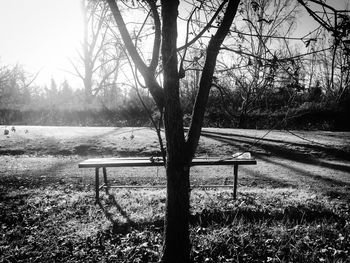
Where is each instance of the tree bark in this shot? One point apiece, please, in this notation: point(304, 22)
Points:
point(176, 247)
point(176, 225)
point(88, 91)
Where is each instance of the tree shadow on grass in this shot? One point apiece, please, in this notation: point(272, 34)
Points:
point(34, 178)
point(269, 145)
point(293, 215)
point(254, 213)
point(299, 158)
point(285, 152)
point(303, 172)
point(13, 199)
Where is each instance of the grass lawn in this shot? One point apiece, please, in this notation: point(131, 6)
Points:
point(287, 210)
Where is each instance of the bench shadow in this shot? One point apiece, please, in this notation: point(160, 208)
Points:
point(125, 227)
point(259, 178)
point(113, 203)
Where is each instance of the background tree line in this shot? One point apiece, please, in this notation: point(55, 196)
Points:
point(61, 104)
point(265, 77)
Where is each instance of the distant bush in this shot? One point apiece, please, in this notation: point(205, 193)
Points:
point(62, 117)
point(308, 116)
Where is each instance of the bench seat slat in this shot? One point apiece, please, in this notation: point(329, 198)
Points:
point(144, 162)
point(164, 186)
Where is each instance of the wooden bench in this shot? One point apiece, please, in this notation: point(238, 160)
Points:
point(105, 163)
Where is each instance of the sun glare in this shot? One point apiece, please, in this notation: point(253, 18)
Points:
point(40, 34)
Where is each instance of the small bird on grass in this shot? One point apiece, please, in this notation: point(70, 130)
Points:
point(13, 129)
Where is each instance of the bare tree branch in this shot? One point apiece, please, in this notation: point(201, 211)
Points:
point(157, 37)
point(206, 79)
point(126, 37)
point(146, 72)
point(205, 28)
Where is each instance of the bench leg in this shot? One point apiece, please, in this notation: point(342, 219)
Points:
point(97, 185)
point(105, 179)
point(235, 174)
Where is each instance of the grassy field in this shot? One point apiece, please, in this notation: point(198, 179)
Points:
point(292, 207)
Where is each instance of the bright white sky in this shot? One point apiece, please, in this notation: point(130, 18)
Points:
point(43, 34)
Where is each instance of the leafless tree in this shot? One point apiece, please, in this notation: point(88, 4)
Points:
point(100, 55)
point(258, 45)
point(328, 68)
point(15, 85)
point(337, 23)
point(179, 149)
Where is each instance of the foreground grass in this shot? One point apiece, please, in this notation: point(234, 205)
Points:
point(62, 224)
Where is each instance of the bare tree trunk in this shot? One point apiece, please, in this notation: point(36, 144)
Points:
point(88, 74)
point(242, 120)
point(88, 86)
point(176, 235)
